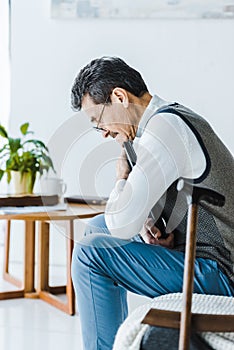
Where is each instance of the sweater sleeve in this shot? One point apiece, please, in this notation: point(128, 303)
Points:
point(166, 151)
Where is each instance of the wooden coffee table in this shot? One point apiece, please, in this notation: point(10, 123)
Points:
point(43, 290)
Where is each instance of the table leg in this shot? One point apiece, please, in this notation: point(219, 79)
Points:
point(70, 290)
point(7, 247)
point(29, 257)
point(27, 290)
point(43, 256)
point(47, 292)
point(6, 274)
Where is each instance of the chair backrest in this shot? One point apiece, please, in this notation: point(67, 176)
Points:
point(194, 195)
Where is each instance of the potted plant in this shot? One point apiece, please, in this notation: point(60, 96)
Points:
point(22, 158)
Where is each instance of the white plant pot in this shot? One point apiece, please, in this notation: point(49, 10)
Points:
point(21, 184)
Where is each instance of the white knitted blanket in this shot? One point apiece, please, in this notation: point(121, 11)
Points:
point(130, 333)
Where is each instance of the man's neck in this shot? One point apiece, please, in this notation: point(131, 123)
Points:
point(142, 101)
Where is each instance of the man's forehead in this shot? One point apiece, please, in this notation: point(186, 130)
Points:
point(91, 109)
point(87, 102)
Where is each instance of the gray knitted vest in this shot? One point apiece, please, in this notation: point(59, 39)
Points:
point(215, 234)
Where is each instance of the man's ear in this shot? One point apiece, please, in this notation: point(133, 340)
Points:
point(120, 95)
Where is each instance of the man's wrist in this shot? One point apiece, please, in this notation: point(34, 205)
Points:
point(121, 178)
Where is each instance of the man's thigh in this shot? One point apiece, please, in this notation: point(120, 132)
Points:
point(146, 269)
point(140, 268)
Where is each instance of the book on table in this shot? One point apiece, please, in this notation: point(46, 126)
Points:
point(27, 200)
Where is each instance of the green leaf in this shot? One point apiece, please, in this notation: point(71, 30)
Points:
point(47, 162)
point(3, 148)
point(1, 174)
point(3, 132)
point(11, 164)
point(33, 178)
point(24, 128)
point(37, 143)
point(4, 152)
point(30, 156)
point(8, 176)
point(14, 144)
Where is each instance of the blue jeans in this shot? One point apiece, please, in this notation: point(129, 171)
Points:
point(105, 267)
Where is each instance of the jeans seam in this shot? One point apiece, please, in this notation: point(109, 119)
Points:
point(95, 314)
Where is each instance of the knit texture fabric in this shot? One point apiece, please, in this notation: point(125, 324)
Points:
point(215, 232)
point(131, 332)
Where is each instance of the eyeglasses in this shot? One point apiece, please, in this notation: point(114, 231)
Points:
point(100, 118)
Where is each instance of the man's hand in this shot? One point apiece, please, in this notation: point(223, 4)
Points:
point(122, 167)
point(151, 235)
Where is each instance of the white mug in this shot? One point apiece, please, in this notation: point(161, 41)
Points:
point(53, 186)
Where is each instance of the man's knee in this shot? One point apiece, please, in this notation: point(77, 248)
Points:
point(80, 258)
point(86, 249)
point(94, 246)
point(89, 251)
point(96, 224)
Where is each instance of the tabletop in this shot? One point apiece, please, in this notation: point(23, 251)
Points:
point(73, 211)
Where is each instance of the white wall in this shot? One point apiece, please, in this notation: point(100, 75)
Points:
point(4, 63)
point(4, 81)
point(189, 61)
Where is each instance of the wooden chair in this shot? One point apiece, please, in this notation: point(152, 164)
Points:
point(185, 320)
